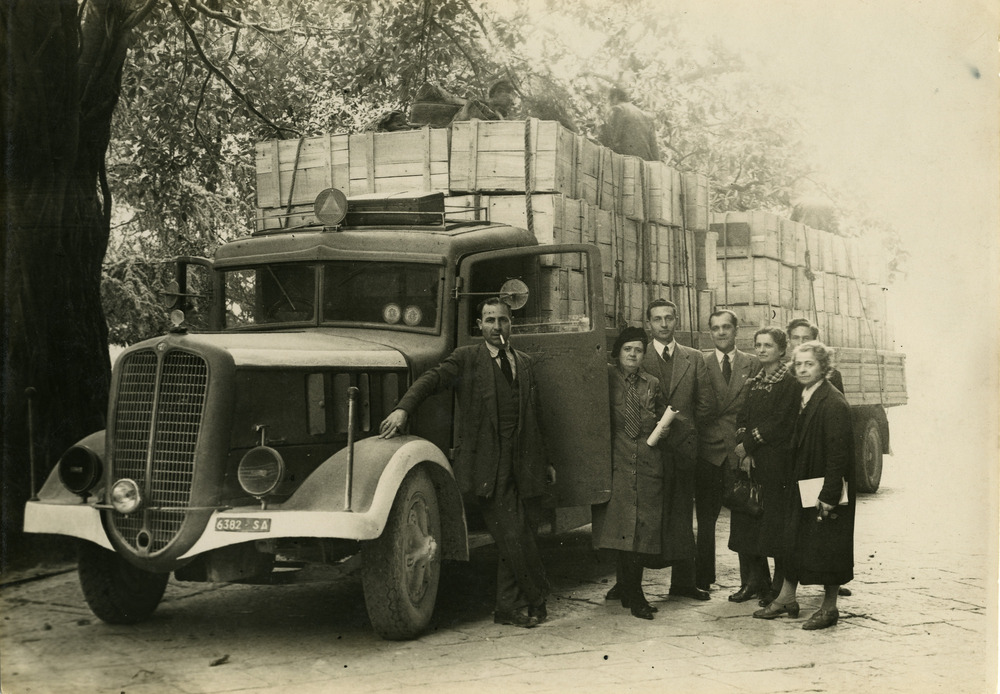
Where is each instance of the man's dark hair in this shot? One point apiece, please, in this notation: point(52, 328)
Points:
point(493, 301)
point(501, 86)
point(803, 323)
point(617, 95)
point(657, 303)
point(724, 312)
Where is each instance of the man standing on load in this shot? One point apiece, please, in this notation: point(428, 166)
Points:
point(629, 130)
point(499, 453)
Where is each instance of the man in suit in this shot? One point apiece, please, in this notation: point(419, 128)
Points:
point(629, 130)
point(684, 379)
point(499, 453)
point(729, 369)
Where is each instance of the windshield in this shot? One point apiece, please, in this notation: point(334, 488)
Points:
point(404, 295)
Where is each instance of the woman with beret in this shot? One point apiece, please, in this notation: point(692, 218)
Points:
point(631, 520)
point(822, 544)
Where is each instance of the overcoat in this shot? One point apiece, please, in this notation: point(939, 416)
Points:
point(687, 392)
point(765, 428)
point(631, 519)
point(469, 371)
point(823, 446)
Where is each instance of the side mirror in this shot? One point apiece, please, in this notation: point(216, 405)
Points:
point(514, 293)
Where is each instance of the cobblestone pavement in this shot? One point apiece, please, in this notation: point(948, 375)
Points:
point(922, 619)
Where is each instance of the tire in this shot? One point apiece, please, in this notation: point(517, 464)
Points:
point(116, 591)
point(401, 569)
point(869, 462)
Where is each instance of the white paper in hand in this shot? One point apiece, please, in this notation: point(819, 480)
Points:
point(661, 426)
point(809, 492)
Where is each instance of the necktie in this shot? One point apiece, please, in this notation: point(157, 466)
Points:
point(727, 368)
point(665, 354)
point(505, 366)
point(632, 409)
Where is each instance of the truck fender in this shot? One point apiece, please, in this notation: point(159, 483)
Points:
point(53, 491)
point(379, 468)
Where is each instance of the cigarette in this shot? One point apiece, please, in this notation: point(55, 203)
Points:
point(503, 341)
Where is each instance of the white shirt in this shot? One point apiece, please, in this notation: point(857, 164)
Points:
point(660, 347)
point(495, 353)
point(719, 355)
point(808, 392)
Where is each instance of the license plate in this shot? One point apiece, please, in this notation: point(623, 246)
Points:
point(243, 525)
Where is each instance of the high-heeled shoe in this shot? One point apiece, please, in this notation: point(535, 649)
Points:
point(767, 596)
point(774, 610)
point(822, 619)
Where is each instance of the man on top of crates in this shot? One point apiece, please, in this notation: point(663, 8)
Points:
point(629, 130)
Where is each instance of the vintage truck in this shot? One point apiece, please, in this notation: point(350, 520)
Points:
point(243, 442)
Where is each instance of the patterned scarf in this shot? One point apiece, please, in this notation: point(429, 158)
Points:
point(764, 382)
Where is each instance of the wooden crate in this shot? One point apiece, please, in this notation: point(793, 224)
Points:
point(674, 255)
point(295, 171)
point(872, 377)
point(854, 301)
point(839, 255)
point(851, 332)
point(843, 300)
point(789, 234)
point(830, 288)
point(491, 156)
point(814, 242)
point(808, 293)
point(705, 264)
point(587, 164)
point(874, 307)
point(758, 316)
point(744, 234)
point(663, 193)
point(835, 333)
point(695, 189)
point(633, 195)
point(754, 281)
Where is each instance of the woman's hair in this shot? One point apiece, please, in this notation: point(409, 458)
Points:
point(823, 354)
point(629, 335)
point(777, 334)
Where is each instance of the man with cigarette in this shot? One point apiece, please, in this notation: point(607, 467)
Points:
point(499, 452)
point(729, 370)
point(684, 379)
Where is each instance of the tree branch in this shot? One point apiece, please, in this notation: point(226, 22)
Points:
point(234, 22)
point(216, 71)
point(138, 16)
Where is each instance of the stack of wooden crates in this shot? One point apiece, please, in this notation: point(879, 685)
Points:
point(770, 270)
point(571, 188)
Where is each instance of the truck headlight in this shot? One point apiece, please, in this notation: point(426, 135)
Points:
point(260, 471)
point(80, 469)
point(125, 496)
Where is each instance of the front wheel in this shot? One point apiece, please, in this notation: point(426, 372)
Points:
point(116, 591)
point(869, 463)
point(401, 569)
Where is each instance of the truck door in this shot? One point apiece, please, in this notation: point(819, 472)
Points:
point(561, 325)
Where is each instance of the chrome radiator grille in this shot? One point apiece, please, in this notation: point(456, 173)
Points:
point(159, 405)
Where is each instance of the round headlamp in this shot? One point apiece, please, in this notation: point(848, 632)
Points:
point(125, 496)
point(80, 469)
point(260, 471)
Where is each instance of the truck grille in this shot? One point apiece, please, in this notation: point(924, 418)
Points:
point(159, 404)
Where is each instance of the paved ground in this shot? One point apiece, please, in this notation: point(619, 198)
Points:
point(922, 619)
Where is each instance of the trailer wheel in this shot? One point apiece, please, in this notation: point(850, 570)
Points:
point(401, 569)
point(869, 463)
point(116, 591)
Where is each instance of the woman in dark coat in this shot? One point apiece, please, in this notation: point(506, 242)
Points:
point(631, 520)
point(764, 431)
point(822, 447)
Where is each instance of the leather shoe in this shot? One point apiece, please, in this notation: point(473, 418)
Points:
point(846, 592)
point(627, 603)
point(614, 594)
point(703, 586)
point(743, 594)
point(822, 619)
point(767, 596)
point(643, 610)
point(518, 618)
point(689, 592)
point(539, 612)
point(774, 610)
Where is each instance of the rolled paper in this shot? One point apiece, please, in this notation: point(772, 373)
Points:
point(661, 426)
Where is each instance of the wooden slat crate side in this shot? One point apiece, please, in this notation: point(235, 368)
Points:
point(854, 289)
point(697, 211)
point(789, 232)
point(587, 154)
point(747, 233)
point(663, 193)
point(608, 283)
point(817, 256)
point(705, 263)
point(839, 254)
point(835, 329)
point(633, 195)
point(490, 156)
point(830, 292)
point(755, 280)
point(851, 332)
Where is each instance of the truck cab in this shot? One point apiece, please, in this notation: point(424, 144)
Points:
point(245, 440)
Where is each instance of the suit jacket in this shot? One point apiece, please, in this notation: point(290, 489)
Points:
point(687, 391)
point(717, 433)
point(469, 371)
point(630, 131)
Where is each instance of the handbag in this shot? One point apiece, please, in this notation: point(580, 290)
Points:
point(742, 494)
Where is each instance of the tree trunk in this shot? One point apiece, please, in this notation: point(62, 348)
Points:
point(63, 72)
